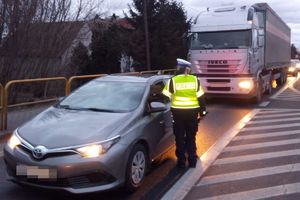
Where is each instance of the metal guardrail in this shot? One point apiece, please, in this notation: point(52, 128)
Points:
point(71, 79)
point(169, 71)
point(150, 72)
point(6, 90)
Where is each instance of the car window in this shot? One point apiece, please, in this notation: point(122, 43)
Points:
point(156, 92)
point(106, 96)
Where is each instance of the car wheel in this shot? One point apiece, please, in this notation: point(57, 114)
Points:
point(137, 166)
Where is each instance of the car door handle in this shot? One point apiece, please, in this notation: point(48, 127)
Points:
point(161, 122)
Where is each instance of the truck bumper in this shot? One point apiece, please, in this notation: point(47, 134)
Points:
point(222, 86)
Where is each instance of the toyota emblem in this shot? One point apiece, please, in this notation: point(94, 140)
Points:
point(39, 152)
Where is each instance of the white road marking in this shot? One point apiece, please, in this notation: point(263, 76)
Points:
point(260, 193)
point(274, 111)
point(182, 187)
point(255, 157)
point(261, 145)
point(265, 135)
point(271, 127)
point(264, 104)
point(277, 115)
point(275, 120)
point(235, 176)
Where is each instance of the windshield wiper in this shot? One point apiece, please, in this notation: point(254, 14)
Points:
point(98, 110)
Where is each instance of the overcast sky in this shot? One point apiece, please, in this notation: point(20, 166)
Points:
point(288, 10)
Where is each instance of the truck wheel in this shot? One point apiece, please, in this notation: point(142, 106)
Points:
point(258, 97)
point(269, 89)
point(137, 167)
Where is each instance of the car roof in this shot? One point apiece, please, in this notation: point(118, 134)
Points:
point(147, 79)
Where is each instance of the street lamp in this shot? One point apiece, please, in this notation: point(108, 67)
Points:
point(147, 36)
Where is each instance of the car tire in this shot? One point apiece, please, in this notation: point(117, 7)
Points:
point(137, 166)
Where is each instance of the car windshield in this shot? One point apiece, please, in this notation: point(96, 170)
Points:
point(221, 40)
point(105, 96)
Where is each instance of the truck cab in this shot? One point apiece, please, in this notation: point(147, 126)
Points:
point(231, 50)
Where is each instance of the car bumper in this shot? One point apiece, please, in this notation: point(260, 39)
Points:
point(72, 172)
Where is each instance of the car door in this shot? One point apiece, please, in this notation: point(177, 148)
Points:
point(164, 137)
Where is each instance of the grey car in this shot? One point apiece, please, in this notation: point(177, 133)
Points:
point(102, 136)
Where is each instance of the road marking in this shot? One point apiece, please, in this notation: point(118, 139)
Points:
point(182, 187)
point(271, 127)
point(291, 83)
point(235, 176)
point(279, 115)
point(260, 193)
point(274, 111)
point(261, 145)
point(264, 104)
point(255, 157)
point(275, 120)
point(265, 135)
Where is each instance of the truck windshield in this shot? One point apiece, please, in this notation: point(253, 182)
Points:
point(240, 39)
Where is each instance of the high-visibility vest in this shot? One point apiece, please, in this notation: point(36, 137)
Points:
point(185, 91)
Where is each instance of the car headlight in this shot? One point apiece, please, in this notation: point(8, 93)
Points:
point(95, 150)
point(13, 141)
point(292, 69)
point(247, 84)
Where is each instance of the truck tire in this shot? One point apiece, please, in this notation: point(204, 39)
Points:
point(258, 96)
point(269, 89)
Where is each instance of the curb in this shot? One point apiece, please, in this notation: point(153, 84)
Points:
point(189, 179)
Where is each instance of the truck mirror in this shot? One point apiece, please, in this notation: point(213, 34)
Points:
point(250, 14)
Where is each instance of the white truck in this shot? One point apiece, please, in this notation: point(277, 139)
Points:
point(238, 51)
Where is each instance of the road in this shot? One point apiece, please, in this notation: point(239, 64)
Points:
point(223, 114)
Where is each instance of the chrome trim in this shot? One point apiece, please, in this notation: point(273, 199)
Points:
point(70, 149)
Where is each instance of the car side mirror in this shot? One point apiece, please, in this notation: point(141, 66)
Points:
point(157, 107)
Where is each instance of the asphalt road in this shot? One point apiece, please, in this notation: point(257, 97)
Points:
point(223, 114)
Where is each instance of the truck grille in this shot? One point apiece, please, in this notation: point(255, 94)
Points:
point(231, 67)
point(218, 88)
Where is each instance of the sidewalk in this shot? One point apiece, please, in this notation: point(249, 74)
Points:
point(261, 162)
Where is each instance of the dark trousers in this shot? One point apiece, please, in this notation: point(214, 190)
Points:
point(185, 129)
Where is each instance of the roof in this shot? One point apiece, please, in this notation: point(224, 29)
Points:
point(44, 39)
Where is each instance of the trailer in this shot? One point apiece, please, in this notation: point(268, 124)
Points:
point(239, 51)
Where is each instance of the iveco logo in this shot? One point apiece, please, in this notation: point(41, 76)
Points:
point(39, 152)
point(217, 62)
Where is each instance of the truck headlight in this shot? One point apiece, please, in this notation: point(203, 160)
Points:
point(292, 69)
point(13, 141)
point(246, 84)
point(95, 150)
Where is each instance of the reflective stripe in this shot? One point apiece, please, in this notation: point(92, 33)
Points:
point(184, 103)
point(185, 98)
point(167, 93)
point(200, 93)
point(189, 107)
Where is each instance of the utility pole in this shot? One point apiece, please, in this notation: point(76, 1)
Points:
point(147, 35)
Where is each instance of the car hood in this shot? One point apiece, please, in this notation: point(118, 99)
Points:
point(56, 128)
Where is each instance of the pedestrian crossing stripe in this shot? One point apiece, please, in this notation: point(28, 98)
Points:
point(288, 92)
point(267, 136)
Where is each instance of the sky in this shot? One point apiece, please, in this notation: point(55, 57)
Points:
point(288, 10)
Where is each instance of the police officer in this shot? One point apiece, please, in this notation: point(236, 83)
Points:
point(187, 92)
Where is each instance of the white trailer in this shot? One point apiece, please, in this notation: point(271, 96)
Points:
point(237, 51)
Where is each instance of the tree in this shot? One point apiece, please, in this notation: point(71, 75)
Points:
point(168, 29)
point(294, 52)
point(80, 61)
point(106, 46)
